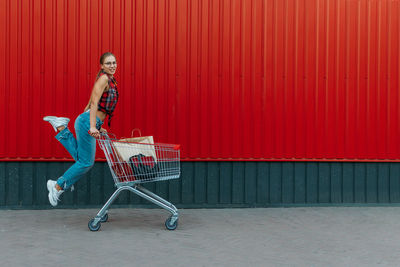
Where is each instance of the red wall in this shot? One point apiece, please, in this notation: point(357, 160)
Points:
point(250, 79)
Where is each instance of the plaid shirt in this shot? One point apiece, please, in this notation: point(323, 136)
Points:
point(109, 99)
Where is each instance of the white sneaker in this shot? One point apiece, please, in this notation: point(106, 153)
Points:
point(54, 194)
point(56, 121)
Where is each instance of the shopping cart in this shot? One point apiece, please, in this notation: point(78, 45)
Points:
point(132, 164)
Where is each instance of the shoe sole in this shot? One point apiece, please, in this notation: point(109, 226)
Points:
point(49, 196)
point(48, 118)
point(49, 185)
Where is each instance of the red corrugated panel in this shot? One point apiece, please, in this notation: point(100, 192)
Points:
point(257, 79)
point(4, 33)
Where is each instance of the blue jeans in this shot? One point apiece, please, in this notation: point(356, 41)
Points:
point(82, 149)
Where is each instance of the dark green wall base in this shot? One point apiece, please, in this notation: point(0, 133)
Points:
point(215, 185)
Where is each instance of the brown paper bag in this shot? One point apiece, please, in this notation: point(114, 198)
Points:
point(133, 146)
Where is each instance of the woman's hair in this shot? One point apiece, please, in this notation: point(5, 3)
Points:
point(102, 58)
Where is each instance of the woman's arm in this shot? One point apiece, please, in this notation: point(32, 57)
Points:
point(98, 89)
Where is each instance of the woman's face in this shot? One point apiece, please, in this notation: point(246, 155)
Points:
point(109, 65)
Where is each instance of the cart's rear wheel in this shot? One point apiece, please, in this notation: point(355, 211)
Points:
point(93, 227)
point(104, 218)
point(170, 226)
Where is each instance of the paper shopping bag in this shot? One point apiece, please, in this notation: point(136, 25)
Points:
point(133, 146)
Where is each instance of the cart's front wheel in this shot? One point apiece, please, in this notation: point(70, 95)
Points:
point(94, 227)
point(169, 225)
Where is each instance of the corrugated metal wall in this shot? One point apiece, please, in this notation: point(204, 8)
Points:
point(215, 184)
point(263, 79)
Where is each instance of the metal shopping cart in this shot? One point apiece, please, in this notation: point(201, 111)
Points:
point(133, 163)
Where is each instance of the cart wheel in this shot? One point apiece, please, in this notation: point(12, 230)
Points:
point(104, 218)
point(92, 227)
point(169, 225)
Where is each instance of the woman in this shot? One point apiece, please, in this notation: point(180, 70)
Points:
point(102, 103)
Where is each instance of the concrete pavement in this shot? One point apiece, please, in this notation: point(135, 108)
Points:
point(312, 236)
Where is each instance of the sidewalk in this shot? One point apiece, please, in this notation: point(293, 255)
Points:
point(339, 236)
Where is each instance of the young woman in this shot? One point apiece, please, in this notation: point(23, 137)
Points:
point(88, 126)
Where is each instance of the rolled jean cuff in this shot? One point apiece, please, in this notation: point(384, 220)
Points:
point(61, 183)
point(63, 134)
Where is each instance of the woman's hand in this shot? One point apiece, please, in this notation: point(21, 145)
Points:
point(102, 130)
point(94, 132)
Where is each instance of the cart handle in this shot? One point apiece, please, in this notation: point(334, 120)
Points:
point(107, 135)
